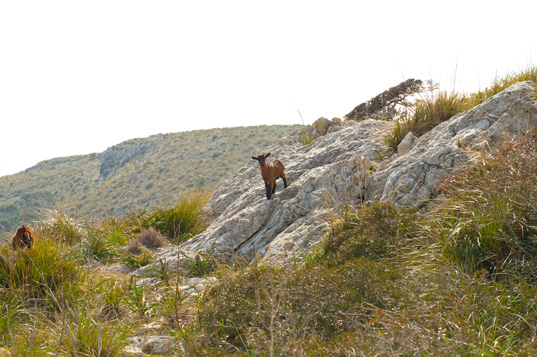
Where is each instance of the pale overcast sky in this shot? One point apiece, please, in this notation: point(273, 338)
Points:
point(79, 76)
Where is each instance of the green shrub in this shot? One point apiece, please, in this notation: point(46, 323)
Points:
point(435, 108)
point(110, 292)
point(374, 231)
point(134, 296)
point(29, 341)
point(137, 261)
point(96, 247)
point(427, 112)
point(400, 129)
point(306, 140)
point(116, 231)
point(179, 222)
point(493, 224)
point(11, 309)
point(500, 84)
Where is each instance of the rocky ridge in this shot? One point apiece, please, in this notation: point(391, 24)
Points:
point(348, 164)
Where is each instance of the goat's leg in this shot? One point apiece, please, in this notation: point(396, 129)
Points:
point(284, 178)
point(267, 191)
point(274, 187)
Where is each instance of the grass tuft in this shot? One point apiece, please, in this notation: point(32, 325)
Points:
point(179, 222)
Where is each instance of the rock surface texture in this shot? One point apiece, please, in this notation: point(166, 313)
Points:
point(349, 165)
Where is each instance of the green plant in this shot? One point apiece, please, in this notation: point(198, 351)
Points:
point(201, 264)
point(81, 333)
point(134, 298)
point(393, 138)
point(179, 222)
point(117, 235)
point(438, 106)
point(28, 341)
point(111, 293)
point(374, 231)
point(11, 309)
point(171, 303)
point(97, 247)
point(137, 261)
point(529, 74)
point(426, 113)
point(266, 307)
point(306, 140)
point(162, 271)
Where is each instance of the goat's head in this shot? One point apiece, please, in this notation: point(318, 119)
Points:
point(261, 158)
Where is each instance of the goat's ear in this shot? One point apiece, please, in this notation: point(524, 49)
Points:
point(267, 155)
point(255, 158)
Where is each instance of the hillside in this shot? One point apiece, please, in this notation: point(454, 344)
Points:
point(138, 174)
point(393, 238)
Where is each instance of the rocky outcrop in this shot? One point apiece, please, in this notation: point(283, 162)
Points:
point(411, 177)
point(349, 166)
point(320, 127)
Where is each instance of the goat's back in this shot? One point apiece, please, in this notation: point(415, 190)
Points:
point(278, 163)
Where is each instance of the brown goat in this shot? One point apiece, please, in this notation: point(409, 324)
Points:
point(23, 238)
point(270, 173)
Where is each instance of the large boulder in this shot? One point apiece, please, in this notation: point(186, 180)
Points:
point(349, 166)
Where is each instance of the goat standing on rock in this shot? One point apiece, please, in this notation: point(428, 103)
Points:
point(270, 173)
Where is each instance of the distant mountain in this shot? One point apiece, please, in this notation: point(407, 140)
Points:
point(138, 174)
